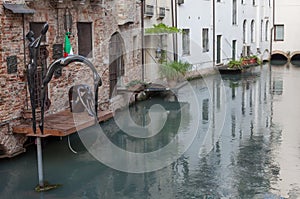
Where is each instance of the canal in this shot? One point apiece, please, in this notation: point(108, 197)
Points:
point(229, 136)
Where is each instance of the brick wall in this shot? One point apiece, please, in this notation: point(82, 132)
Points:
point(105, 22)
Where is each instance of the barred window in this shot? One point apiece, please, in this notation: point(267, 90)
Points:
point(186, 41)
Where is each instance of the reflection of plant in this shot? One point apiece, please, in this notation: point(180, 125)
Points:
point(174, 70)
point(162, 28)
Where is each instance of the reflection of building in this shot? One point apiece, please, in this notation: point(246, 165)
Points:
point(101, 31)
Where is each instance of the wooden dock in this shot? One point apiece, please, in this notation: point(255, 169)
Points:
point(62, 123)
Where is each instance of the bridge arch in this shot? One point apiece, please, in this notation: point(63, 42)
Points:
point(295, 58)
point(279, 57)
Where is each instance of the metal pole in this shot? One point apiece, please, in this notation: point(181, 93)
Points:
point(142, 39)
point(40, 161)
point(214, 32)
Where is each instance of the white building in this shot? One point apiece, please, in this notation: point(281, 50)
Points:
point(221, 30)
point(286, 30)
point(156, 12)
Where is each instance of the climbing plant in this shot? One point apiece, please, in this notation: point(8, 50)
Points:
point(162, 28)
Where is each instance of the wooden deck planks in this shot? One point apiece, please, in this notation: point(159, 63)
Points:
point(62, 123)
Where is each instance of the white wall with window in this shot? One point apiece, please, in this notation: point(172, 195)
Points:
point(286, 31)
point(237, 21)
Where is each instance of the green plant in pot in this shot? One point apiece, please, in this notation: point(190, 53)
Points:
point(174, 71)
point(235, 64)
point(254, 59)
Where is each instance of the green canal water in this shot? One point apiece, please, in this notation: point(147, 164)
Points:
point(246, 145)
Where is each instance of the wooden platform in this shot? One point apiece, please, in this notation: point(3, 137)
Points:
point(62, 123)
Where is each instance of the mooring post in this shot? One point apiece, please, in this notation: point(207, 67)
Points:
point(40, 161)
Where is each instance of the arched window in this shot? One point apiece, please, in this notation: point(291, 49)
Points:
point(244, 31)
point(267, 31)
point(116, 61)
point(252, 31)
point(234, 12)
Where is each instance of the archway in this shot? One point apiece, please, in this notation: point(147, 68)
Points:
point(116, 61)
point(295, 58)
point(279, 58)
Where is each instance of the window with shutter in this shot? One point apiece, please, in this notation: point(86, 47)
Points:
point(85, 45)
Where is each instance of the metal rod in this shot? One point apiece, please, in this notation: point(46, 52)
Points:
point(40, 161)
point(142, 39)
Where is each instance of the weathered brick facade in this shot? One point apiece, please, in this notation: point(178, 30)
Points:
point(108, 18)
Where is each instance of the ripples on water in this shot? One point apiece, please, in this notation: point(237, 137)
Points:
point(247, 146)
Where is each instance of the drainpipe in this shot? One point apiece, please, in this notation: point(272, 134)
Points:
point(258, 21)
point(214, 32)
point(143, 39)
point(272, 30)
point(176, 25)
point(24, 51)
point(173, 25)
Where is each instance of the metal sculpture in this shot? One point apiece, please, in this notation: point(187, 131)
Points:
point(81, 98)
point(87, 101)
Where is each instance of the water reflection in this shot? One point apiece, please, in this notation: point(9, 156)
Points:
point(247, 146)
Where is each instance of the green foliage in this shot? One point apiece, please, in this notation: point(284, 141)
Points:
point(235, 64)
point(174, 70)
point(162, 28)
point(135, 82)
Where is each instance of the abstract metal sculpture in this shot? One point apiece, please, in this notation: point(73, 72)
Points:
point(86, 99)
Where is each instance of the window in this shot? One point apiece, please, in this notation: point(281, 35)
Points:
point(242, 1)
point(244, 31)
point(234, 12)
point(261, 29)
point(233, 49)
point(252, 31)
point(279, 33)
point(218, 0)
point(186, 41)
point(205, 42)
point(267, 31)
point(85, 47)
point(36, 28)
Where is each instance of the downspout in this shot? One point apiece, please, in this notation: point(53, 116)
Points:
point(173, 25)
point(142, 39)
point(258, 21)
point(176, 25)
point(272, 30)
point(214, 32)
point(24, 52)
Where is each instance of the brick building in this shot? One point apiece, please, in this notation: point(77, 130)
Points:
point(107, 32)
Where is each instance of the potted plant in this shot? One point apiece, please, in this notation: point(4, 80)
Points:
point(245, 61)
point(235, 64)
point(136, 85)
point(174, 71)
point(254, 59)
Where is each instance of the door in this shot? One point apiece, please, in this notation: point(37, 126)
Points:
point(233, 49)
point(219, 37)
